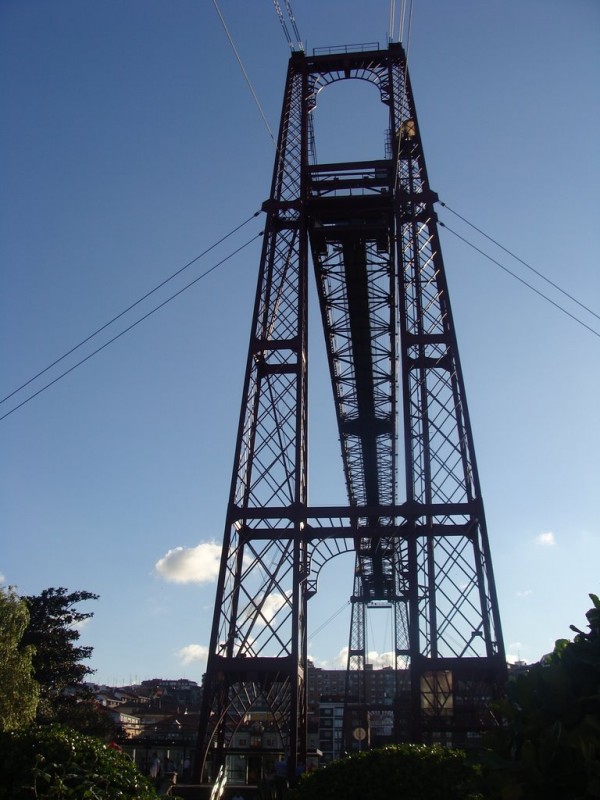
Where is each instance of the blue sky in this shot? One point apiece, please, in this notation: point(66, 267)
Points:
point(130, 142)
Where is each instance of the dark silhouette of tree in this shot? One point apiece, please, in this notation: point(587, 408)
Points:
point(58, 666)
point(53, 631)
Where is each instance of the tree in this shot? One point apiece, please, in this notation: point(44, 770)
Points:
point(549, 745)
point(54, 634)
point(19, 692)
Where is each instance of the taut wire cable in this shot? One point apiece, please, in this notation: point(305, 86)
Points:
point(286, 33)
point(520, 260)
point(130, 307)
point(130, 327)
point(288, 7)
point(248, 81)
point(518, 277)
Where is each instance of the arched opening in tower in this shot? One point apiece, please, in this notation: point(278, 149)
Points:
point(350, 122)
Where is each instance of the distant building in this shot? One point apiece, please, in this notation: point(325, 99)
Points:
point(331, 721)
point(161, 716)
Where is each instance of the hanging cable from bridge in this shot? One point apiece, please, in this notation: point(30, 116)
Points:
point(331, 618)
point(406, 49)
point(248, 81)
point(294, 45)
point(288, 7)
point(521, 280)
point(130, 307)
point(284, 27)
point(129, 327)
point(408, 26)
point(521, 261)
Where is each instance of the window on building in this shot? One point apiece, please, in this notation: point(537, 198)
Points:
point(436, 693)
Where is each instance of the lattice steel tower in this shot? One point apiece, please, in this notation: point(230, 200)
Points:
point(398, 394)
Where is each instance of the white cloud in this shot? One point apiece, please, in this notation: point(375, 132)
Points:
point(271, 605)
point(319, 662)
point(198, 564)
point(341, 659)
point(192, 653)
point(513, 654)
point(546, 539)
point(524, 593)
point(380, 660)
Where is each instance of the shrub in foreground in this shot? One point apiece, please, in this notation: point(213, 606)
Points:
point(56, 763)
point(408, 771)
point(549, 745)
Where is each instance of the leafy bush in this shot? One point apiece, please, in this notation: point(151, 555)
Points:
point(54, 763)
point(549, 745)
point(407, 771)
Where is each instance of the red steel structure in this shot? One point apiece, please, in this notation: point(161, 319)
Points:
point(404, 430)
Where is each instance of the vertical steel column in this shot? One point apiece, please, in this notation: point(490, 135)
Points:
point(257, 653)
point(455, 638)
point(355, 693)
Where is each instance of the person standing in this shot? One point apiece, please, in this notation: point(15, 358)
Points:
point(155, 767)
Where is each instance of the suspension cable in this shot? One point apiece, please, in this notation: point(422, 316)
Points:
point(284, 27)
point(410, 16)
point(521, 280)
point(248, 81)
point(402, 21)
point(297, 45)
point(288, 7)
point(400, 35)
point(130, 327)
point(130, 307)
point(330, 619)
point(521, 261)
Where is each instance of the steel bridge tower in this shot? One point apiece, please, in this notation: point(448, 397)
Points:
point(422, 547)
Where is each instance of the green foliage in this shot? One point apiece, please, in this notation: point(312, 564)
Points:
point(54, 763)
point(19, 692)
point(53, 632)
point(549, 747)
point(407, 771)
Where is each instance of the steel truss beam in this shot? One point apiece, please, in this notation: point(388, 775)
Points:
point(396, 377)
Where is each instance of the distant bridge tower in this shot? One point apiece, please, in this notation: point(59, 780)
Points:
point(401, 411)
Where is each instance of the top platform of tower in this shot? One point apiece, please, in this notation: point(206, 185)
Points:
point(352, 54)
point(346, 48)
